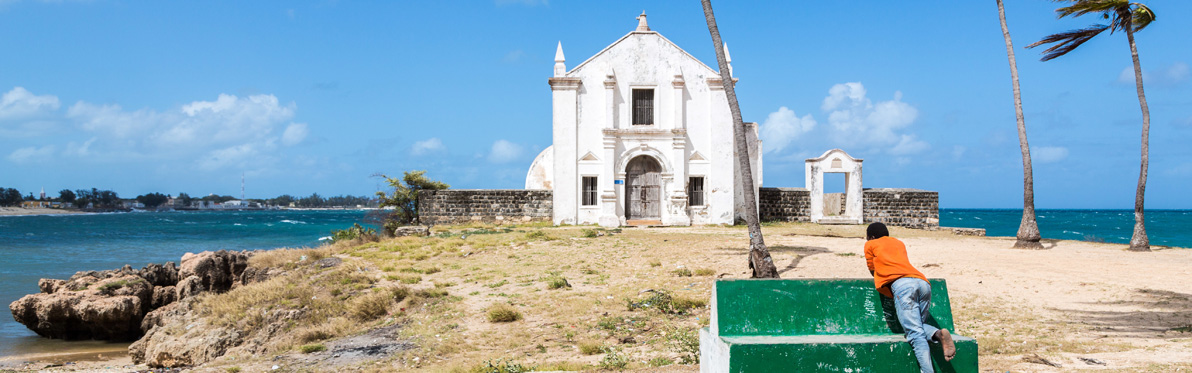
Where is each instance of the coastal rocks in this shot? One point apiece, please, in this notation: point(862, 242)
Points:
point(112, 304)
point(217, 271)
point(50, 285)
point(182, 340)
point(112, 310)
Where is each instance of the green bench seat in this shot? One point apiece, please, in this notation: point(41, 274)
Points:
point(818, 325)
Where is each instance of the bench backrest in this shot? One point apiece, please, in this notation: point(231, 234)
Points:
point(812, 307)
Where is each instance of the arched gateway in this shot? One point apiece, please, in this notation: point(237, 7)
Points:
point(643, 189)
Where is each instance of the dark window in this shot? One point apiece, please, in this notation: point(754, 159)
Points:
point(643, 106)
point(589, 191)
point(695, 191)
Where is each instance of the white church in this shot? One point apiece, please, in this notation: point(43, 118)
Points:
point(642, 136)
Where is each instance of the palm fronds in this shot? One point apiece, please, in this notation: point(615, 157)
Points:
point(1120, 14)
point(1067, 41)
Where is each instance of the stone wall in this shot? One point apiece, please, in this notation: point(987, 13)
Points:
point(784, 204)
point(454, 206)
point(912, 208)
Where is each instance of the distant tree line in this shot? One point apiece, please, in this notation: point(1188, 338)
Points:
point(107, 199)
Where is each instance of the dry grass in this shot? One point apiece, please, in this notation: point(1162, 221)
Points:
point(472, 281)
point(501, 312)
point(284, 257)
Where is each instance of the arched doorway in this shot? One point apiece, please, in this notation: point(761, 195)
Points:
point(643, 189)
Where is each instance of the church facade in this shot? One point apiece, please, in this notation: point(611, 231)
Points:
point(642, 134)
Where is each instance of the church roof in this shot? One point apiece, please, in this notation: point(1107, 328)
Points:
point(638, 32)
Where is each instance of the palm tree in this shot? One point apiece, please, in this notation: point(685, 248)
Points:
point(1125, 16)
point(1028, 230)
point(759, 257)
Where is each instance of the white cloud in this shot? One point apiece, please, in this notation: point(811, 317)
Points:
point(958, 152)
point(431, 145)
point(909, 145)
point(783, 126)
point(238, 156)
point(31, 154)
point(513, 56)
point(856, 120)
point(1174, 74)
point(294, 134)
point(1048, 154)
point(504, 151)
point(20, 103)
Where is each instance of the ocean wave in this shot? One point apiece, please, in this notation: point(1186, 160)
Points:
point(325, 238)
point(292, 221)
point(238, 224)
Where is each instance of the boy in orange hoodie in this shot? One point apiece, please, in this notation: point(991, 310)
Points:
point(896, 278)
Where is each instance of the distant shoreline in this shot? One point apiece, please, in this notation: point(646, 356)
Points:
point(21, 211)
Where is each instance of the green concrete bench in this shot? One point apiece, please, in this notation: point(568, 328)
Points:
point(818, 325)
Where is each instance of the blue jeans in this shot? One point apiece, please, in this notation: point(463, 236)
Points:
point(912, 301)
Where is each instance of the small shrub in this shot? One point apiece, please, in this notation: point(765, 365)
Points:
point(356, 231)
point(588, 233)
point(498, 284)
point(589, 271)
point(655, 263)
point(683, 304)
point(411, 270)
point(370, 306)
point(682, 272)
point(613, 359)
point(557, 283)
point(431, 270)
point(660, 362)
point(503, 313)
point(686, 343)
point(311, 348)
point(111, 287)
point(536, 235)
point(664, 302)
point(590, 347)
point(232, 370)
point(432, 293)
point(705, 272)
point(502, 366)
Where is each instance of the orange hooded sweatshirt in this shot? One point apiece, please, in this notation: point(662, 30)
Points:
point(886, 258)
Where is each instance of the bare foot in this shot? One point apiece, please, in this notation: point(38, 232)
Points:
point(945, 339)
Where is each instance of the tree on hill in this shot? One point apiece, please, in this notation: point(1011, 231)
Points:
point(1129, 17)
point(66, 196)
point(1028, 230)
point(404, 198)
point(759, 257)
point(152, 200)
point(185, 199)
point(10, 197)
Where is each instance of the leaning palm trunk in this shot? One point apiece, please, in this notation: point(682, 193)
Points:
point(1028, 231)
point(759, 257)
point(1139, 242)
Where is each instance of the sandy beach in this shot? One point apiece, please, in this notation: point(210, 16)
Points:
point(1073, 306)
point(20, 211)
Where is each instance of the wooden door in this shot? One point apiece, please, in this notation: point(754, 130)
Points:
point(643, 188)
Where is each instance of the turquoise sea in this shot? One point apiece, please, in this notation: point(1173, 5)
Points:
point(57, 246)
point(1164, 227)
point(34, 247)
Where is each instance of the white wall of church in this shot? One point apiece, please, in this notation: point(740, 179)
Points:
point(594, 134)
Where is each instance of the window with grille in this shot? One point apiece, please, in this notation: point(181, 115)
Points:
point(643, 106)
point(695, 191)
point(589, 191)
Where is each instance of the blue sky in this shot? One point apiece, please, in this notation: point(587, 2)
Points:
point(317, 96)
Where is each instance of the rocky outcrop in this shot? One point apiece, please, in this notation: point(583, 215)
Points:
point(113, 304)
